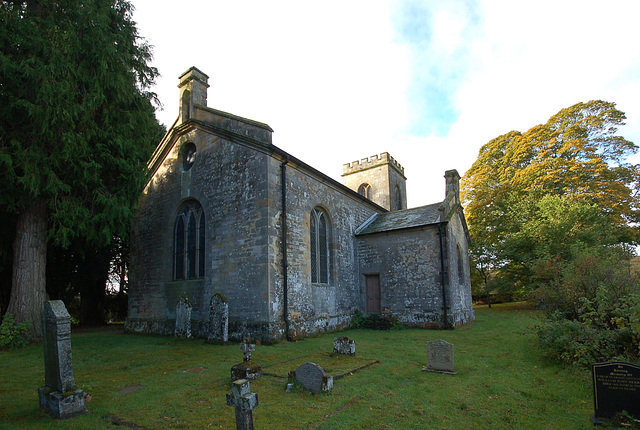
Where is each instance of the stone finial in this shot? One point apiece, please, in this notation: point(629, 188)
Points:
point(193, 91)
point(453, 183)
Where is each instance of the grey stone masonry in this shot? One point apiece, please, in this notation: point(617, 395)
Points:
point(59, 396)
point(344, 345)
point(219, 318)
point(183, 318)
point(313, 377)
point(244, 402)
point(440, 357)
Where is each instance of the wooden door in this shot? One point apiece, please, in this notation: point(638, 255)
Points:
point(372, 291)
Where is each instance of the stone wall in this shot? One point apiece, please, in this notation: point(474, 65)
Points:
point(460, 301)
point(408, 263)
point(315, 307)
point(227, 180)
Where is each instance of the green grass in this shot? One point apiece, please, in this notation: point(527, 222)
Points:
point(502, 382)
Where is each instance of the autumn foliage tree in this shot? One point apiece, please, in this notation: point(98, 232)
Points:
point(552, 214)
point(577, 156)
point(77, 125)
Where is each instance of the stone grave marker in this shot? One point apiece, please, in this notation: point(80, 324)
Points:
point(313, 377)
point(244, 403)
point(344, 345)
point(616, 387)
point(59, 396)
point(247, 369)
point(183, 318)
point(218, 318)
point(440, 357)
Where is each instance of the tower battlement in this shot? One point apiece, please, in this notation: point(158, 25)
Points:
point(369, 162)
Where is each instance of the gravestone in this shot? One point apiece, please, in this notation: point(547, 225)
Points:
point(616, 387)
point(343, 345)
point(313, 377)
point(183, 318)
point(218, 318)
point(59, 396)
point(247, 369)
point(440, 357)
point(244, 403)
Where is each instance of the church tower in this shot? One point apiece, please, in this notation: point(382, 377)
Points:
point(380, 178)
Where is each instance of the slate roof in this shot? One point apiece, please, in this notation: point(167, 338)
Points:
point(404, 219)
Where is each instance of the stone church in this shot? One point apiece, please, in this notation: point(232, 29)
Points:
point(293, 251)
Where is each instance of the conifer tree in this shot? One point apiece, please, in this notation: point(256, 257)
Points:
point(76, 128)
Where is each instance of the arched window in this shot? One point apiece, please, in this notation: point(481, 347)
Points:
point(189, 238)
point(398, 197)
point(460, 265)
point(319, 232)
point(365, 190)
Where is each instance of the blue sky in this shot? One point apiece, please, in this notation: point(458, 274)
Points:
point(429, 81)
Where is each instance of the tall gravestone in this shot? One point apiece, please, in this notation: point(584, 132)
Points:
point(59, 396)
point(218, 318)
point(183, 318)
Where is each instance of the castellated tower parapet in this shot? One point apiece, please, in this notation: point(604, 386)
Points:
point(373, 161)
point(380, 178)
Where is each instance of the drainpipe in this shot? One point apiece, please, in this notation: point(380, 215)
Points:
point(285, 292)
point(444, 275)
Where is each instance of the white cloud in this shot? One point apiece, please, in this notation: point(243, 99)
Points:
point(338, 82)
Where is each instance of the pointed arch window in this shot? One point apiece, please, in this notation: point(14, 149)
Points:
point(398, 197)
point(365, 190)
point(460, 265)
point(319, 232)
point(189, 240)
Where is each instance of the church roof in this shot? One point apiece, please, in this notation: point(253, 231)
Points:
point(401, 220)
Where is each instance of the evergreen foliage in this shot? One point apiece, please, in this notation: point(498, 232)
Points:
point(77, 123)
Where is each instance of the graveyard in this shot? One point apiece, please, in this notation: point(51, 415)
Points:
point(135, 381)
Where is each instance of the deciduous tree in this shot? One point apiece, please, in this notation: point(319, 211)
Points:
point(578, 155)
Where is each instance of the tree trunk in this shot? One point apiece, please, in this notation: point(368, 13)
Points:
point(28, 283)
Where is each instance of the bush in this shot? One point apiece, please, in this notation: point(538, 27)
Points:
point(592, 316)
point(12, 334)
point(384, 321)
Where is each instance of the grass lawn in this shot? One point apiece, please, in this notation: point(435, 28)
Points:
point(163, 382)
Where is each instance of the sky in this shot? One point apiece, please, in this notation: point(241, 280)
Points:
point(429, 81)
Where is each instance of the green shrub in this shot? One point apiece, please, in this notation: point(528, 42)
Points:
point(384, 321)
point(12, 334)
point(592, 304)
